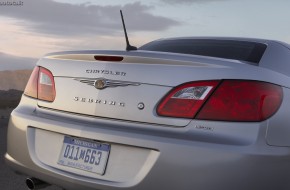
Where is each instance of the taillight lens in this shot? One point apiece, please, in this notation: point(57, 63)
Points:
point(41, 85)
point(232, 100)
point(186, 100)
point(242, 101)
point(31, 87)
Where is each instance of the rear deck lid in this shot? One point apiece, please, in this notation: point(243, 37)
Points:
point(124, 85)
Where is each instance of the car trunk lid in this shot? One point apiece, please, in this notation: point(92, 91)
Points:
point(127, 88)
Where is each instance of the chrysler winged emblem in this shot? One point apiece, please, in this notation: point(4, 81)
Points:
point(101, 83)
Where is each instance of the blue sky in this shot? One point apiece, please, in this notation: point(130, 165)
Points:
point(39, 27)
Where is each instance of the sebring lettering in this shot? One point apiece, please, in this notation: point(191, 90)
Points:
point(98, 101)
point(106, 72)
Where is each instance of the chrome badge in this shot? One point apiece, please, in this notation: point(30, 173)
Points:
point(101, 83)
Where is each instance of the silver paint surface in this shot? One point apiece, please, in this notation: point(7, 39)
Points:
point(149, 151)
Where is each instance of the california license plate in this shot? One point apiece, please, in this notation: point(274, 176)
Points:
point(85, 155)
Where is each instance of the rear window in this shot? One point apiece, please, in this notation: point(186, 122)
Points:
point(227, 49)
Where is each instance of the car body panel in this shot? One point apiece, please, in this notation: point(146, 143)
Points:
point(235, 150)
point(151, 87)
point(278, 127)
point(149, 151)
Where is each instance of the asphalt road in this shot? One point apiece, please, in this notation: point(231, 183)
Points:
point(8, 179)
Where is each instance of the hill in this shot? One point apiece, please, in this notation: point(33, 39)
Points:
point(8, 101)
point(14, 79)
point(10, 98)
point(12, 62)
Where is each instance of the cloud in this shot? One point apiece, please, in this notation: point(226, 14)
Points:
point(50, 17)
point(189, 1)
point(17, 41)
point(11, 62)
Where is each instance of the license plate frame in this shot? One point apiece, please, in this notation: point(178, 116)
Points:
point(83, 154)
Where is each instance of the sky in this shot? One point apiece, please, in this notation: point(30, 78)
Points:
point(32, 28)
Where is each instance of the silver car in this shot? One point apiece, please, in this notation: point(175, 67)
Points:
point(179, 113)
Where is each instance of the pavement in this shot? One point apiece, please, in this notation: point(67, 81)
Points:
point(8, 179)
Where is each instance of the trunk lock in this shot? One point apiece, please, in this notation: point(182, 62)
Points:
point(141, 106)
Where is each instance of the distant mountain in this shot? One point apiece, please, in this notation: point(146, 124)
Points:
point(14, 79)
point(11, 62)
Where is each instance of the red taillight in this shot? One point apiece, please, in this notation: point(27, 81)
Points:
point(242, 101)
point(41, 85)
point(31, 87)
point(232, 100)
point(46, 88)
point(186, 100)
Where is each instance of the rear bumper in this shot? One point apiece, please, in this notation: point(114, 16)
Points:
point(143, 156)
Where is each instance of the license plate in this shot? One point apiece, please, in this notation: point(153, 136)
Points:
point(85, 155)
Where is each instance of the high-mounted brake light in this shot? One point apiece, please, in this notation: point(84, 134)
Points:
point(41, 85)
point(108, 58)
point(232, 100)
